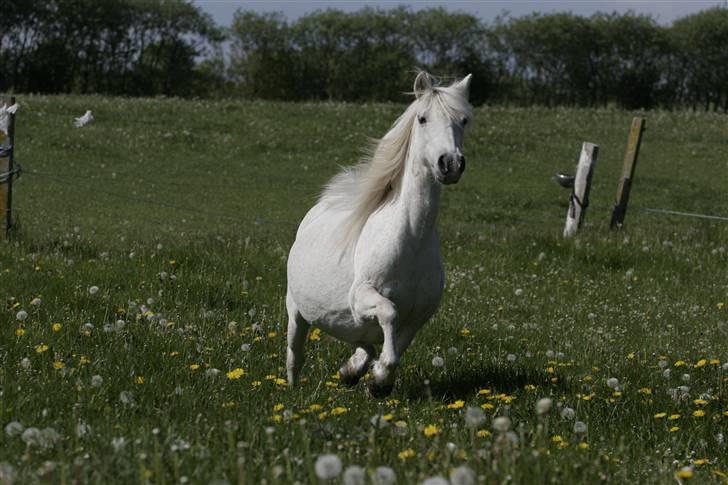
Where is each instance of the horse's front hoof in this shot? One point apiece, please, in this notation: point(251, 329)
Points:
point(379, 391)
point(349, 380)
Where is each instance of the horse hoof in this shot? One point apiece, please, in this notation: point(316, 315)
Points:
point(349, 380)
point(378, 391)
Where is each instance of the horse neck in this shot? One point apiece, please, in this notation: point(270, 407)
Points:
point(418, 200)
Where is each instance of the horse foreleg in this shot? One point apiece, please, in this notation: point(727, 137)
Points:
point(297, 333)
point(369, 304)
point(356, 366)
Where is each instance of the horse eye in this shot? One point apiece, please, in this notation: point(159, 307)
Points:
point(422, 120)
point(465, 122)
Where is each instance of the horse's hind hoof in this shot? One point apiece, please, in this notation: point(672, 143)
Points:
point(378, 391)
point(349, 380)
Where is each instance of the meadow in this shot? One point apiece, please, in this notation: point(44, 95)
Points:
point(142, 335)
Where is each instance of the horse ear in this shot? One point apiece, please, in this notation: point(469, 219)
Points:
point(423, 83)
point(464, 85)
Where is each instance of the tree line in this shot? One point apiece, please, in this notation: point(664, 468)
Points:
point(171, 47)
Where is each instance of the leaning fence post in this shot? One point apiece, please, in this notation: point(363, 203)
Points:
point(579, 199)
point(6, 175)
point(630, 163)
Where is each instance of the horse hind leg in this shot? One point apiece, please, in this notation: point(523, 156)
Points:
point(297, 333)
point(368, 304)
point(356, 366)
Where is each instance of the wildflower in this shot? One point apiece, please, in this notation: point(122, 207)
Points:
point(511, 357)
point(484, 392)
point(25, 363)
point(338, 411)
point(645, 390)
point(465, 332)
point(699, 413)
point(568, 413)
point(673, 417)
point(543, 405)
point(314, 336)
point(483, 433)
point(19, 332)
point(235, 374)
point(684, 472)
point(501, 424)
point(700, 402)
point(700, 363)
point(700, 462)
point(679, 363)
point(97, 381)
point(660, 415)
point(456, 405)
point(31, 436)
point(580, 427)
point(327, 467)
point(404, 454)
point(583, 445)
point(462, 475)
point(21, 316)
point(58, 365)
point(14, 428)
point(630, 356)
point(438, 361)
point(474, 417)
point(674, 429)
point(278, 407)
point(139, 380)
point(383, 475)
point(354, 475)
point(56, 327)
point(41, 348)
point(436, 480)
point(518, 292)
point(612, 382)
point(378, 421)
point(430, 430)
point(93, 290)
point(559, 441)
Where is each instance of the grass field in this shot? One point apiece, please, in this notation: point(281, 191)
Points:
point(142, 338)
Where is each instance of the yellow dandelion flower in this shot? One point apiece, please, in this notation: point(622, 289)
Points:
point(587, 378)
point(272, 334)
point(465, 332)
point(700, 363)
point(58, 364)
point(139, 380)
point(322, 415)
point(41, 348)
point(256, 383)
point(430, 430)
point(56, 327)
point(725, 413)
point(456, 405)
point(660, 415)
point(714, 362)
point(235, 374)
point(529, 387)
point(583, 446)
point(315, 407)
point(617, 394)
point(400, 424)
point(270, 377)
point(194, 366)
point(278, 407)
point(699, 413)
point(315, 335)
point(483, 433)
point(588, 397)
point(674, 429)
point(388, 417)
point(332, 385)
point(720, 305)
point(487, 406)
point(680, 363)
point(392, 402)
point(276, 418)
point(484, 392)
point(700, 461)
point(630, 356)
point(281, 382)
point(645, 390)
point(684, 472)
point(258, 339)
point(229, 404)
point(549, 370)
point(19, 332)
point(404, 454)
point(700, 402)
point(84, 360)
point(338, 411)
point(673, 417)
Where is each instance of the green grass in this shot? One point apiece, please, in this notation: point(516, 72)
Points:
point(182, 213)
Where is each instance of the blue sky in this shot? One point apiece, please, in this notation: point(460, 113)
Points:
point(665, 11)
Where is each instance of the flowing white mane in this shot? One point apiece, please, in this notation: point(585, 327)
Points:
point(361, 189)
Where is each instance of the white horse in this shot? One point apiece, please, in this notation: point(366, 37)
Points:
point(365, 266)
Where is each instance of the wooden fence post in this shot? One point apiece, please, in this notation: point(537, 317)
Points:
point(7, 167)
point(630, 163)
point(579, 199)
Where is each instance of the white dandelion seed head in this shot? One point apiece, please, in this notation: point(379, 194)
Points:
point(550, 354)
point(511, 357)
point(119, 325)
point(118, 443)
point(354, 475)
point(725, 367)
point(383, 475)
point(580, 427)
point(327, 467)
point(25, 363)
point(719, 438)
point(474, 417)
point(462, 475)
point(13, 429)
point(502, 424)
point(451, 447)
point(36, 301)
point(436, 480)
point(662, 364)
point(438, 361)
point(568, 413)
point(212, 372)
point(245, 347)
point(97, 381)
point(21, 316)
point(82, 429)
point(7, 473)
point(518, 292)
point(543, 405)
point(667, 373)
point(126, 398)
point(31, 436)
point(685, 377)
point(93, 290)
point(613, 382)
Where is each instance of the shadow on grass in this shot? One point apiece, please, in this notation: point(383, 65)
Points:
point(465, 382)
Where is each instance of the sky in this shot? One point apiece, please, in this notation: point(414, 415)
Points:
point(665, 11)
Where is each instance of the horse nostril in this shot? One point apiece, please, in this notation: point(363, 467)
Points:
point(442, 164)
point(462, 164)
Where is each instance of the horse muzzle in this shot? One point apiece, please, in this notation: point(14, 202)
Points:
point(450, 168)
